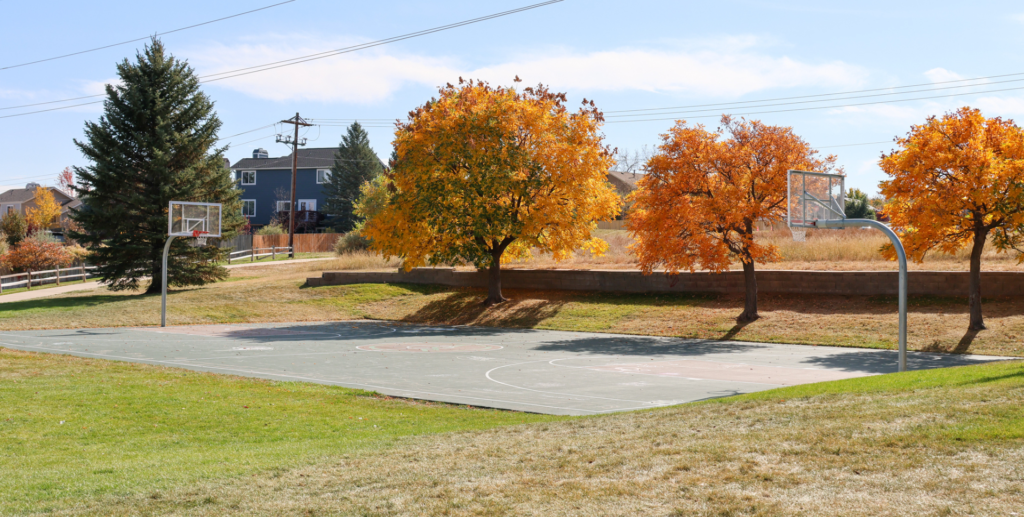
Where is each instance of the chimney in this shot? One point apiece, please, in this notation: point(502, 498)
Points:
point(227, 163)
point(260, 153)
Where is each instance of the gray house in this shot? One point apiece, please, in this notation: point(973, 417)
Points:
point(266, 184)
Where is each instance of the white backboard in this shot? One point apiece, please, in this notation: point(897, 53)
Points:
point(815, 196)
point(185, 217)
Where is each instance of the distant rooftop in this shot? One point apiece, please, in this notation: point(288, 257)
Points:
point(312, 158)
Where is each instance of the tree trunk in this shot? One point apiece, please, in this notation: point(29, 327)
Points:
point(494, 280)
point(974, 291)
point(750, 303)
point(156, 277)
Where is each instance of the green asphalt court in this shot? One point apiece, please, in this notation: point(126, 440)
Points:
point(541, 371)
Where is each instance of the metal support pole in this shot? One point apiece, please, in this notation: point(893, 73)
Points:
point(163, 288)
point(901, 255)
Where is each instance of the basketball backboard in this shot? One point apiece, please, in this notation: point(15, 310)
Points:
point(815, 196)
point(185, 218)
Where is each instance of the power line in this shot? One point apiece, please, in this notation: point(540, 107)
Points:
point(816, 107)
point(833, 94)
point(345, 50)
point(310, 57)
point(246, 132)
point(820, 100)
point(852, 145)
point(147, 37)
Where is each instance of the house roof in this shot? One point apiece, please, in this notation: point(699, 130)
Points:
point(17, 195)
point(624, 182)
point(317, 157)
point(24, 195)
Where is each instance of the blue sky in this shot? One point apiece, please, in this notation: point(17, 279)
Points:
point(625, 55)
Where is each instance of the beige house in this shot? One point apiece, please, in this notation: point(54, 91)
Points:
point(21, 199)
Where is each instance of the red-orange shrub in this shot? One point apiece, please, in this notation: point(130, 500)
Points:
point(33, 255)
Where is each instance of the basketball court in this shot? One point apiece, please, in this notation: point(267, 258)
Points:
point(568, 373)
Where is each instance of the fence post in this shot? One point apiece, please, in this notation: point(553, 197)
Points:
point(252, 254)
point(28, 285)
point(273, 253)
point(58, 276)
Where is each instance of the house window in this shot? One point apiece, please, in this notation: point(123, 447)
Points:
point(323, 176)
point(8, 209)
point(248, 208)
point(283, 206)
point(248, 177)
point(308, 206)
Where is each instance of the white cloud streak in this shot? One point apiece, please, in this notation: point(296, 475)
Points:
point(727, 68)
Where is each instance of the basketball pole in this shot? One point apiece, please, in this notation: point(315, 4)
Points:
point(163, 287)
point(901, 255)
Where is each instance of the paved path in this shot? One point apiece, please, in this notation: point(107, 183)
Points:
point(527, 370)
point(85, 286)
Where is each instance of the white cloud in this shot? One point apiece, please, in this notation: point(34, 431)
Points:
point(99, 87)
point(728, 67)
point(939, 75)
point(1017, 17)
point(363, 77)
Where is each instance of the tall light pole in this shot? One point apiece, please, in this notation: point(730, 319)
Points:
point(295, 143)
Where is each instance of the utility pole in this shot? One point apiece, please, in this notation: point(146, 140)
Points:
point(295, 143)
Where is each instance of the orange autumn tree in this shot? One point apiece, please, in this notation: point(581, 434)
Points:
point(957, 181)
point(704, 191)
point(46, 211)
point(483, 174)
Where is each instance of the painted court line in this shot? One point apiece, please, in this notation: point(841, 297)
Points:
point(325, 381)
point(722, 371)
point(488, 375)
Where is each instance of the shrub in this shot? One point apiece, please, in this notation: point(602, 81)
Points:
point(858, 206)
point(79, 254)
point(3, 246)
point(43, 236)
point(351, 242)
point(271, 229)
point(14, 226)
point(36, 255)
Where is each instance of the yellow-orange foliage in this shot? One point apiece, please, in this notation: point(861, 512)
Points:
point(46, 211)
point(956, 181)
point(484, 174)
point(704, 191)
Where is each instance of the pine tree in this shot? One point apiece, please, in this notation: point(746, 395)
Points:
point(153, 144)
point(354, 163)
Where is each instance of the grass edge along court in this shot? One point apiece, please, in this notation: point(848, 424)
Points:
point(86, 436)
point(276, 294)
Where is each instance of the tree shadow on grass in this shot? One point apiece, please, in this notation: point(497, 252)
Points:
point(465, 307)
point(965, 342)
point(11, 309)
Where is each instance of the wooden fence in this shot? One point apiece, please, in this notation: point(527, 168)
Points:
point(31, 278)
point(304, 242)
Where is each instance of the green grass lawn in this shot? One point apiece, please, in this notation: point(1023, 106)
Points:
point(139, 439)
point(75, 429)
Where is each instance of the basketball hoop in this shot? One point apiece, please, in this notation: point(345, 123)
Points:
point(198, 238)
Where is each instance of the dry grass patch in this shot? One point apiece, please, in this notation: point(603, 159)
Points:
point(828, 250)
point(935, 324)
point(275, 293)
point(945, 442)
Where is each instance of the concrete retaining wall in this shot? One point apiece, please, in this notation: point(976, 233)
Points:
point(865, 283)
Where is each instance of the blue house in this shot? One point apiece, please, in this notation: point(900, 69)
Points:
point(266, 185)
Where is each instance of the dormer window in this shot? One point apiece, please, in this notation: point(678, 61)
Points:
point(248, 177)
